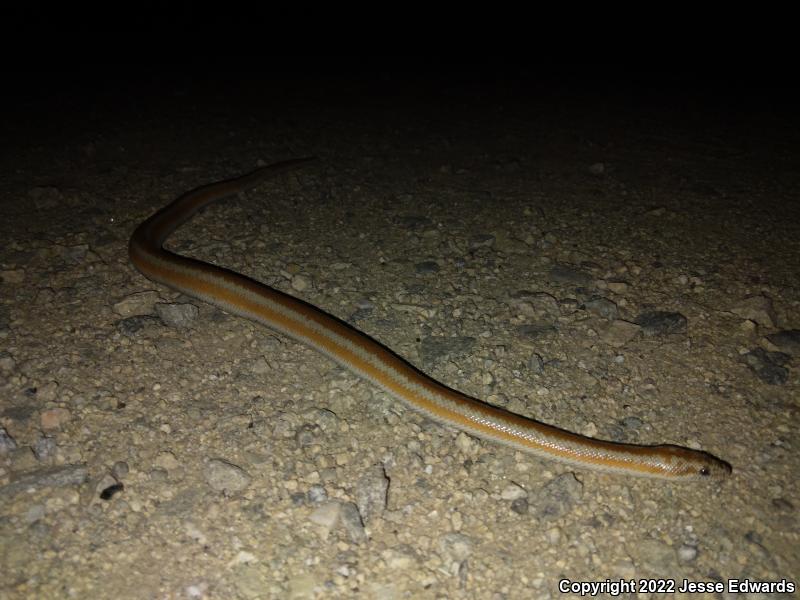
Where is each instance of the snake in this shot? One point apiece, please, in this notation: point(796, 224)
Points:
point(359, 353)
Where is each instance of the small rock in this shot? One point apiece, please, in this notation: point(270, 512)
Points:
point(624, 568)
point(12, 276)
point(554, 535)
point(413, 222)
point(536, 304)
point(327, 515)
point(602, 307)
point(660, 322)
point(569, 275)
point(782, 505)
point(481, 240)
point(687, 553)
point(317, 494)
point(618, 287)
point(467, 444)
point(520, 506)
point(434, 349)
point(45, 197)
point(7, 362)
point(768, 366)
point(130, 326)
point(535, 364)
point(455, 547)
point(48, 392)
point(140, 303)
point(400, 558)
point(428, 267)
point(619, 332)
point(7, 443)
point(597, 169)
point(557, 497)
point(224, 476)
point(787, 341)
point(54, 418)
point(301, 283)
point(513, 491)
point(534, 331)
point(166, 460)
point(120, 469)
point(758, 309)
point(370, 493)
point(44, 448)
point(353, 524)
point(656, 557)
point(60, 476)
point(177, 314)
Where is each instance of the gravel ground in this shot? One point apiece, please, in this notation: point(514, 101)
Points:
point(618, 264)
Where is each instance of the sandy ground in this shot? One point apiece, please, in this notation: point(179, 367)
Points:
point(503, 241)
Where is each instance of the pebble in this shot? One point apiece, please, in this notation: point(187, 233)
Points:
point(757, 308)
point(513, 491)
point(12, 276)
point(224, 476)
point(428, 267)
point(535, 304)
point(535, 364)
point(317, 494)
point(687, 553)
point(371, 492)
point(44, 448)
point(434, 349)
point(602, 307)
point(534, 331)
point(597, 169)
point(353, 523)
point(455, 547)
point(557, 497)
point(49, 477)
point(140, 303)
point(47, 392)
point(467, 444)
point(656, 557)
point(120, 469)
point(178, 315)
point(554, 535)
point(400, 558)
point(787, 341)
point(619, 332)
point(660, 323)
point(624, 568)
point(481, 240)
point(520, 506)
point(782, 505)
point(7, 443)
point(46, 197)
point(768, 366)
point(326, 515)
point(301, 283)
point(130, 326)
point(7, 362)
point(54, 418)
point(166, 460)
point(569, 275)
point(618, 287)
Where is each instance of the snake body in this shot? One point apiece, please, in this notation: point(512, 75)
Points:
point(356, 351)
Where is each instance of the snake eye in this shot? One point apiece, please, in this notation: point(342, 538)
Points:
point(704, 471)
